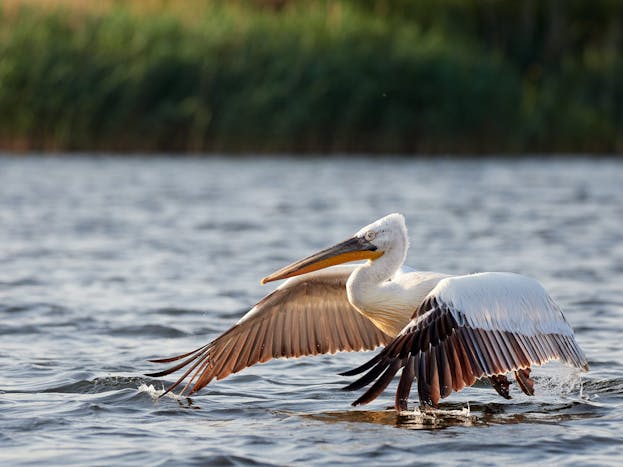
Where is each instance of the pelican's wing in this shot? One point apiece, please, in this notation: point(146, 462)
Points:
point(307, 315)
point(469, 327)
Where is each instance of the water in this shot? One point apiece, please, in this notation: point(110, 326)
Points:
point(107, 262)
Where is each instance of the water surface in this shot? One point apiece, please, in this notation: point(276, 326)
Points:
point(106, 262)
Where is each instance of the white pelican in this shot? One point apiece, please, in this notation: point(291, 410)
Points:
point(446, 331)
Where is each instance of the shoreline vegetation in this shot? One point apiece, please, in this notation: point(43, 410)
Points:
point(346, 76)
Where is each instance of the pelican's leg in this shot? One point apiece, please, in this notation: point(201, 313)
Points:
point(500, 384)
point(524, 381)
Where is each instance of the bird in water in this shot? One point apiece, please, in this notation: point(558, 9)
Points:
point(444, 331)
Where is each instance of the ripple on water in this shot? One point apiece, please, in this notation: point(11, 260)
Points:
point(23, 282)
point(148, 330)
point(50, 309)
point(98, 385)
point(175, 311)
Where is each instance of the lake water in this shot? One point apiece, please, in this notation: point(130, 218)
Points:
point(106, 262)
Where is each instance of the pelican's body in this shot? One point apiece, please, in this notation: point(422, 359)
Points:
point(446, 331)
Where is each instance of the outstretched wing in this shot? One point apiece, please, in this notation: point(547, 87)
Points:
point(469, 327)
point(307, 315)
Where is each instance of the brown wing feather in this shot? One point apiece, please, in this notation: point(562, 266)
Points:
point(308, 315)
point(450, 355)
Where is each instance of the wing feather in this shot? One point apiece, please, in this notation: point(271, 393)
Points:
point(267, 344)
point(472, 327)
point(277, 344)
point(245, 349)
point(404, 385)
point(455, 365)
point(256, 355)
point(333, 334)
point(307, 315)
point(322, 332)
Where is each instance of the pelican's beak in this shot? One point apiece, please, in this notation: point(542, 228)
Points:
point(353, 249)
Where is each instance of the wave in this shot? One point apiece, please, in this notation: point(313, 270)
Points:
point(98, 385)
point(145, 330)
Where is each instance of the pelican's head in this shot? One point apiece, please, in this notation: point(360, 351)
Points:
point(385, 233)
point(370, 243)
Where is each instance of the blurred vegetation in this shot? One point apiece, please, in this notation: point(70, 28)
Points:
point(428, 76)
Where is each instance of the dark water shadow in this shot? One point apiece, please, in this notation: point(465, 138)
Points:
point(477, 415)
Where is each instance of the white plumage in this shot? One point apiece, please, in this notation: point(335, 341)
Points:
point(503, 301)
point(445, 331)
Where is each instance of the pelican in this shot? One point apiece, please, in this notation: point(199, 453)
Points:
point(444, 331)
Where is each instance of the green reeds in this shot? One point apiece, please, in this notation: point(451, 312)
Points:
point(308, 77)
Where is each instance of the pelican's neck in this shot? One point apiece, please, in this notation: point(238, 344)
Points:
point(368, 285)
point(374, 273)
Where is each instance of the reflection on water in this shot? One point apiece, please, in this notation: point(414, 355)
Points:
point(108, 262)
point(415, 421)
point(472, 414)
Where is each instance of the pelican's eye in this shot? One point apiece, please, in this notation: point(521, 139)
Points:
point(370, 235)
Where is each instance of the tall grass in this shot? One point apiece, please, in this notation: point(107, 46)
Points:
point(298, 76)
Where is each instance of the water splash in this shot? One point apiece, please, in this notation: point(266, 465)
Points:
point(558, 381)
point(437, 417)
point(157, 395)
point(151, 391)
